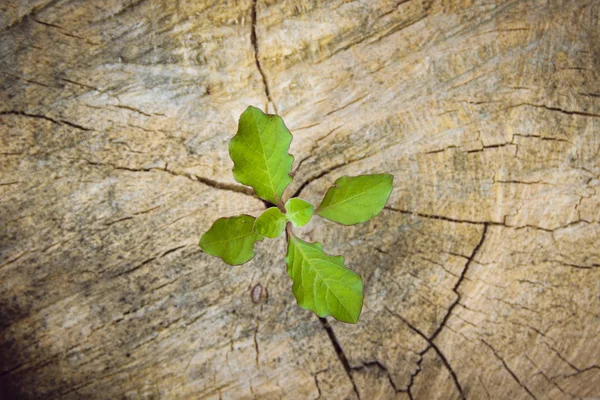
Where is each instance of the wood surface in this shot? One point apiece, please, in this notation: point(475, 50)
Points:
point(481, 277)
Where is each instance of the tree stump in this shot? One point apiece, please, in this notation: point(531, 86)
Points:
point(481, 276)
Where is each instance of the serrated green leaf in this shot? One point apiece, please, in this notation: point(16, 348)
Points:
point(270, 223)
point(298, 211)
point(356, 199)
point(231, 239)
point(260, 156)
point(322, 283)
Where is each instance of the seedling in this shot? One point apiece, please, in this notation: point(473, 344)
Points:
point(321, 282)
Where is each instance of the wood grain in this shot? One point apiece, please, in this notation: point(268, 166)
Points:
point(481, 275)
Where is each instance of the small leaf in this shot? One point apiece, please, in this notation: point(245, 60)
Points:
point(298, 211)
point(356, 199)
point(231, 239)
point(322, 283)
point(270, 223)
point(260, 156)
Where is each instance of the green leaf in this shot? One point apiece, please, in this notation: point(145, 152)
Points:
point(322, 283)
point(260, 156)
point(356, 199)
point(298, 211)
point(270, 223)
point(231, 239)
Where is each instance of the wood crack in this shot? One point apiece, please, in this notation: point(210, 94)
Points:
point(443, 218)
point(256, 348)
point(340, 353)
point(488, 223)
point(459, 281)
point(129, 271)
point(80, 84)
point(44, 117)
point(136, 110)
point(174, 249)
point(206, 181)
point(64, 31)
point(344, 106)
point(383, 368)
point(326, 172)
point(316, 377)
point(318, 176)
point(254, 40)
point(30, 81)
point(510, 371)
point(431, 345)
point(430, 340)
point(557, 109)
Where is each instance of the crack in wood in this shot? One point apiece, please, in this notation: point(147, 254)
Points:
point(196, 178)
point(488, 223)
point(327, 172)
point(383, 368)
point(557, 109)
point(340, 353)
point(256, 348)
point(431, 345)
point(459, 281)
point(442, 217)
point(44, 117)
point(430, 340)
point(254, 40)
point(510, 371)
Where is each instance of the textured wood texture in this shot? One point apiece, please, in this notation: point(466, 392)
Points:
point(481, 277)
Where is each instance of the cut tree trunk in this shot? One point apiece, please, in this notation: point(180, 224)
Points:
point(481, 276)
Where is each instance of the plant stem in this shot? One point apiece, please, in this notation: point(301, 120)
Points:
point(281, 206)
point(288, 231)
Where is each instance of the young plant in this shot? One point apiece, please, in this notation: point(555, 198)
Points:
point(321, 282)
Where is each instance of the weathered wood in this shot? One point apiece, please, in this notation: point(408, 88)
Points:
point(481, 276)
